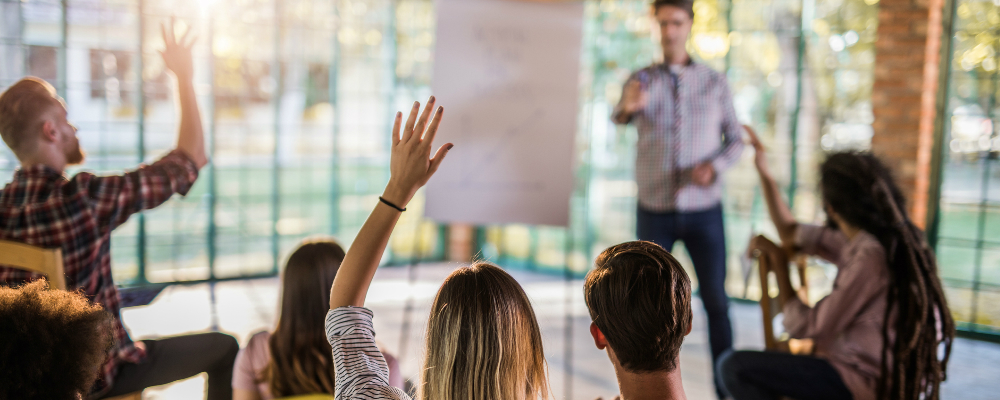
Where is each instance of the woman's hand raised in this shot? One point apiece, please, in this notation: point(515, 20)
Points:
point(760, 155)
point(411, 165)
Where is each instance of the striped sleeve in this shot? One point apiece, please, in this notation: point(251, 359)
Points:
point(361, 369)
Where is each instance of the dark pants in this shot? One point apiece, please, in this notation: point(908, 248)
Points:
point(754, 375)
point(705, 239)
point(172, 359)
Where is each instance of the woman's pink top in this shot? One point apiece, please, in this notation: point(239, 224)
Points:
point(253, 359)
point(250, 365)
point(846, 326)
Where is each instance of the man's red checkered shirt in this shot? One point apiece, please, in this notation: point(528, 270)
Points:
point(41, 207)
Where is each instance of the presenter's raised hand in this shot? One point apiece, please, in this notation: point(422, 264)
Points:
point(411, 165)
point(177, 52)
point(633, 97)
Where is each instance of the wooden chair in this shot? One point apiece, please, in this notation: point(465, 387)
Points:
point(770, 256)
point(48, 262)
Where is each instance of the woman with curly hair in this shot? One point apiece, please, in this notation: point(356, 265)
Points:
point(52, 342)
point(885, 331)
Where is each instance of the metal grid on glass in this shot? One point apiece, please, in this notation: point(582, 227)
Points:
point(296, 97)
point(968, 220)
point(800, 73)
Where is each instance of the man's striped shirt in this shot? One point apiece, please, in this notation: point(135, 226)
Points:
point(689, 119)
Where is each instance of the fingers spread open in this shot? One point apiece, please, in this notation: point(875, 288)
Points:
point(173, 29)
point(422, 122)
point(439, 156)
point(408, 128)
point(432, 129)
point(395, 128)
point(190, 42)
point(166, 38)
point(184, 38)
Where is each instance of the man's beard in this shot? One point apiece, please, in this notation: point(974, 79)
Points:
point(76, 155)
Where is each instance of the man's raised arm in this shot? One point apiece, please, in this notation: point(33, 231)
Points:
point(177, 58)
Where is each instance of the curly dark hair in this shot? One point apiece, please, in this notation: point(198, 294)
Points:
point(860, 189)
point(52, 342)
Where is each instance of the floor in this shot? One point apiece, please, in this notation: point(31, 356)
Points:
point(243, 307)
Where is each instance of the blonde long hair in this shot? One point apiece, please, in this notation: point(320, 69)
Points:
point(483, 341)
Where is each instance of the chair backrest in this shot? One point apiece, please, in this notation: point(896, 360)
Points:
point(770, 256)
point(48, 262)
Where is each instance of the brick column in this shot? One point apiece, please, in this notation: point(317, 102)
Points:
point(907, 55)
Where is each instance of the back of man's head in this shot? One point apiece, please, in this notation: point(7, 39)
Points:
point(640, 299)
point(22, 108)
point(52, 342)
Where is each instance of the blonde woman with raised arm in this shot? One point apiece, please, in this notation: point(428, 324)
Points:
point(483, 340)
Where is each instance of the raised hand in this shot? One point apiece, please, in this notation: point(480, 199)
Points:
point(633, 97)
point(411, 165)
point(410, 168)
point(760, 154)
point(177, 53)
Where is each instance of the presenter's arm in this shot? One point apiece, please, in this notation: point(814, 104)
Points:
point(781, 215)
point(732, 132)
point(411, 165)
point(177, 58)
point(632, 102)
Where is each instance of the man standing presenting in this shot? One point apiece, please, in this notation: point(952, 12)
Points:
point(688, 135)
point(44, 208)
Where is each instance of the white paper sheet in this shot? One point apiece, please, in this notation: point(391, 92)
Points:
point(507, 74)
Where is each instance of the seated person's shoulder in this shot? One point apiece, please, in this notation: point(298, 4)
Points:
point(870, 251)
point(259, 343)
point(257, 352)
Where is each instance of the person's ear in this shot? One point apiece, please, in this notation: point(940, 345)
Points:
point(49, 132)
point(599, 340)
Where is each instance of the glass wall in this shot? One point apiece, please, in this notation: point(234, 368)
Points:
point(801, 73)
point(296, 98)
point(968, 236)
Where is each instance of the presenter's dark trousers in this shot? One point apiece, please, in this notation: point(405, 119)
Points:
point(181, 357)
point(704, 237)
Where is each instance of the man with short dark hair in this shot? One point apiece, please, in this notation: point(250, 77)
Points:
point(44, 208)
point(639, 299)
point(688, 135)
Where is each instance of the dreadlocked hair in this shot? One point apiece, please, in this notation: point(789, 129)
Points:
point(860, 189)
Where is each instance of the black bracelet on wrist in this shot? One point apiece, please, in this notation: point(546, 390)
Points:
point(390, 204)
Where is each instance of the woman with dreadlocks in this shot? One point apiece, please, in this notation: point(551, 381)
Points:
point(885, 331)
